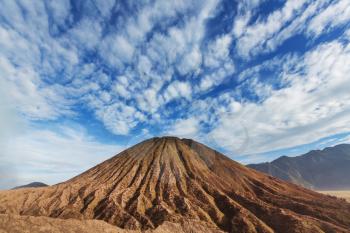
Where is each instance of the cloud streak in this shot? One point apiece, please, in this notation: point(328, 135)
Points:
point(315, 103)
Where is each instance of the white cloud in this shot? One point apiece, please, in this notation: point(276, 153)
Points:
point(30, 56)
point(137, 27)
point(191, 61)
point(294, 18)
point(315, 104)
point(217, 77)
point(334, 15)
point(105, 7)
point(87, 34)
point(119, 118)
point(31, 39)
point(149, 101)
point(105, 96)
point(144, 66)
point(116, 50)
point(296, 26)
point(59, 12)
point(240, 24)
point(120, 88)
point(51, 156)
point(65, 78)
point(187, 128)
point(10, 122)
point(245, 10)
point(347, 34)
point(177, 89)
point(218, 51)
point(22, 87)
point(179, 46)
point(256, 34)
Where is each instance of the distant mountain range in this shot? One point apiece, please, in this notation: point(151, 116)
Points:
point(168, 180)
point(327, 169)
point(31, 185)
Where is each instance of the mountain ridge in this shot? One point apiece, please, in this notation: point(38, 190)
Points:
point(326, 169)
point(31, 185)
point(171, 180)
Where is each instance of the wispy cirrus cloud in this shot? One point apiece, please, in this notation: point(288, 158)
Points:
point(332, 16)
point(254, 37)
point(177, 47)
point(315, 103)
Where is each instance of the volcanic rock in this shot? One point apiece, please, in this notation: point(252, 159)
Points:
point(175, 180)
point(327, 169)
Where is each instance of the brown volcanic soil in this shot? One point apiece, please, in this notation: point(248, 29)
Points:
point(168, 179)
point(19, 224)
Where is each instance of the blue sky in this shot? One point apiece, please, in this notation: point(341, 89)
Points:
point(82, 80)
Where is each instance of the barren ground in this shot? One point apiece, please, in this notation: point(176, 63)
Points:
point(341, 194)
point(31, 224)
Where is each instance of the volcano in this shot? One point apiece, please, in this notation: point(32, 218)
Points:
point(179, 180)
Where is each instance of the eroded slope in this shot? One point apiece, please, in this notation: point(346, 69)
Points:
point(168, 179)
